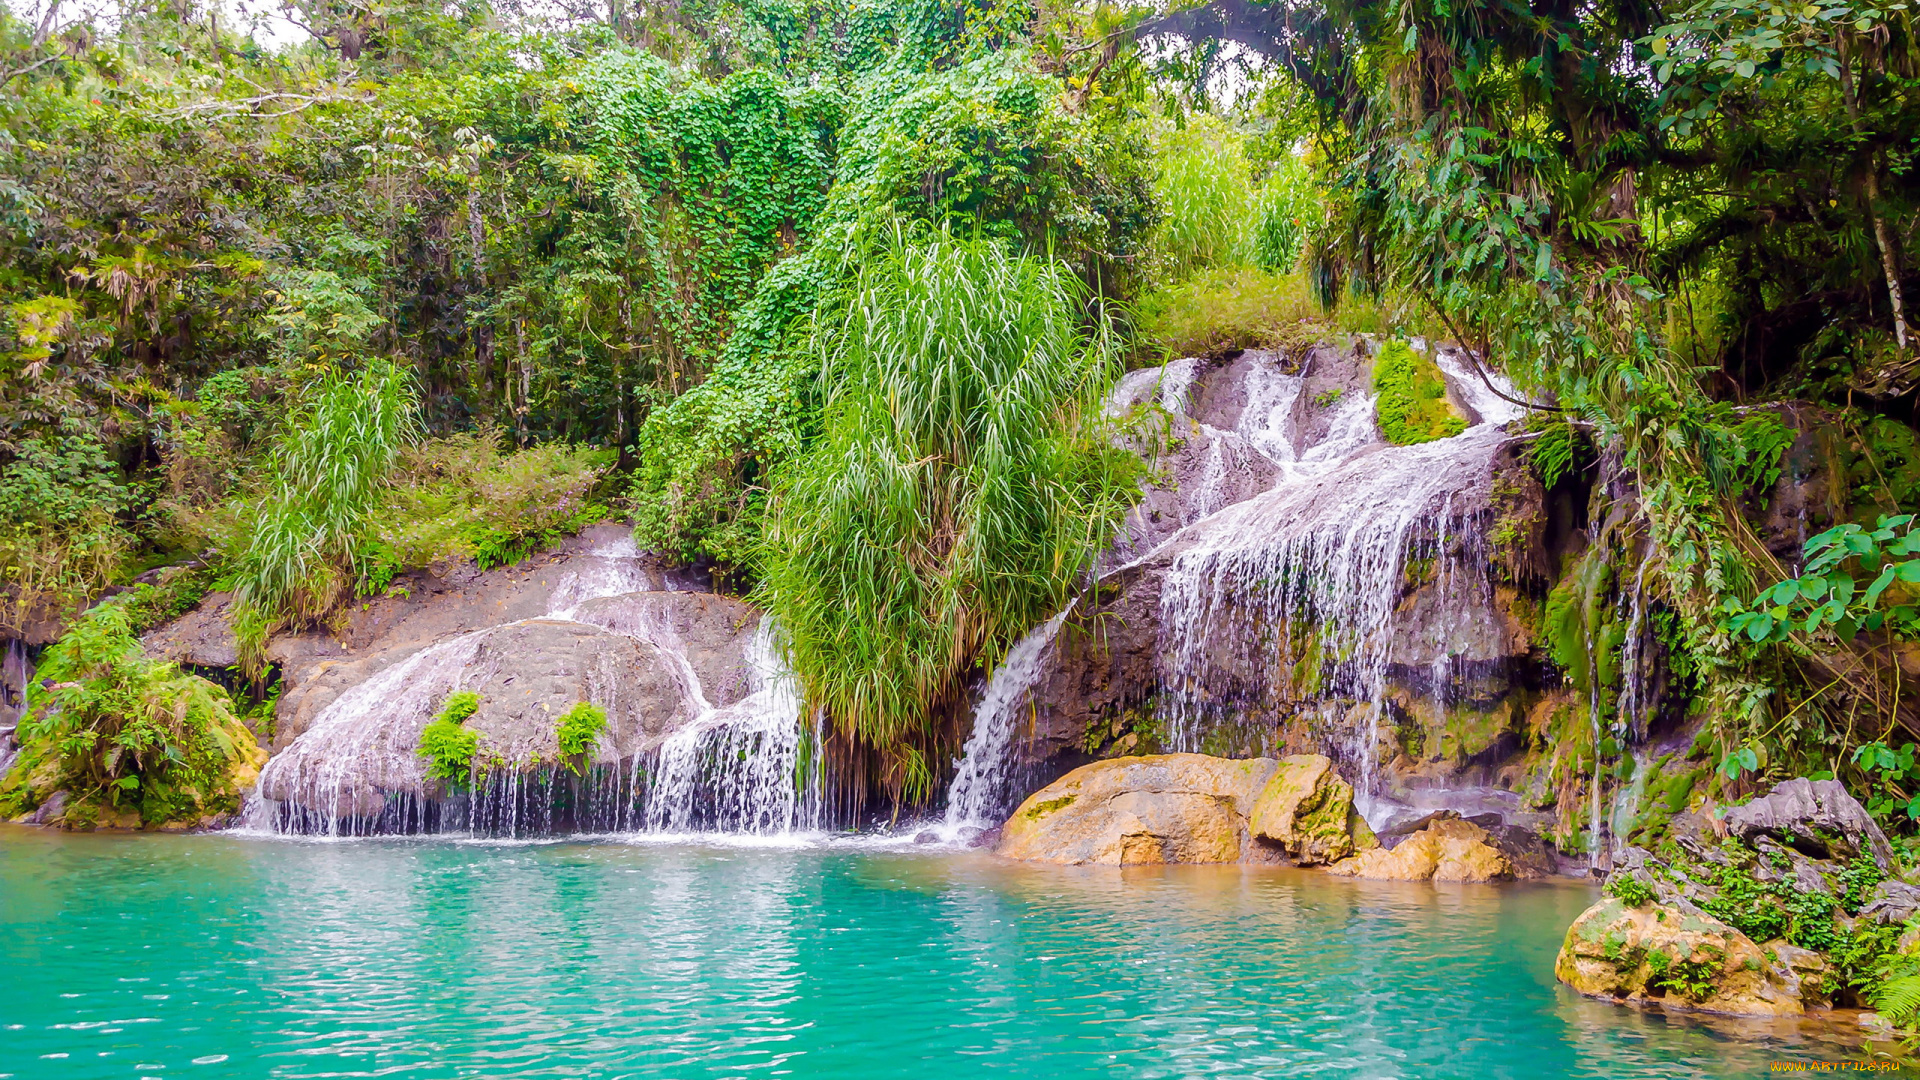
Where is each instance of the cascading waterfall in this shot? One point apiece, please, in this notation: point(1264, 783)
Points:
point(747, 767)
point(982, 784)
point(1328, 548)
point(16, 672)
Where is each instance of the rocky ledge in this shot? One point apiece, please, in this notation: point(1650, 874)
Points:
point(1194, 808)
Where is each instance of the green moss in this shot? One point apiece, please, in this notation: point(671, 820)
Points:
point(1042, 809)
point(1411, 403)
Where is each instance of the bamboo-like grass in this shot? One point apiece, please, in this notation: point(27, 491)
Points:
point(307, 544)
point(958, 491)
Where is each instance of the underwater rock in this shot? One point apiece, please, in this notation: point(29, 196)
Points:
point(1168, 808)
point(1449, 850)
point(1817, 817)
point(1683, 959)
point(1307, 809)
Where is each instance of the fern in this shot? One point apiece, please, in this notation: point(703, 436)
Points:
point(1898, 999)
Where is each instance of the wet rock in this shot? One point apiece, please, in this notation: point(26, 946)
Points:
point(1682, 959)
point(363, 751)
point(1168, 808)
point(1531, 855)
point(1449, 850)
point(1307, 809)
point(202, 637)
point(48, 811)
point(1817, 817)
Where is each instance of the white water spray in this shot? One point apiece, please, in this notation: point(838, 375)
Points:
point(982, 784)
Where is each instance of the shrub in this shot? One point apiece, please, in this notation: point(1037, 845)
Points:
point(448, 746)
point(119, 731)
point(308, 542)
point(1205, 191)
point(1227, 308)
point(1631, 890)
point(61, 536)
point(579, 732)
point(1412, 404)
point(954, 498)
point(460, 497)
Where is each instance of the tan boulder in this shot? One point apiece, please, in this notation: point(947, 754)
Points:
point(1167, 808)
point(1684, 959)
point(1448, 850)
point(1307, 809)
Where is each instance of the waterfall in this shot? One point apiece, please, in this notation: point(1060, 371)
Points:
point(745, 767)
point(16, 672)
point(1326, 549)
point(982, 784)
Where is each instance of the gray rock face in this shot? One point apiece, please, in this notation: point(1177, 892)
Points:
point(1817, 817)
point(364, 749)
point(1892, 902)
point(1291, 438)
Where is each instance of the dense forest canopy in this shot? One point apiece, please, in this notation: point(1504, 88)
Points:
point(447, 281)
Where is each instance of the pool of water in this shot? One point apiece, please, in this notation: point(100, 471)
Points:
point(225, 956)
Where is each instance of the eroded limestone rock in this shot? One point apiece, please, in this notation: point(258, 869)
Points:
point(1448, 849)
point(1307, 809)
point(1685, 959)
point(1168, 808)
point(1817, 817)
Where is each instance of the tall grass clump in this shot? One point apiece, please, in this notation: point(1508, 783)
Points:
point(955, 495)
point(308, 542)
point(1205, 190)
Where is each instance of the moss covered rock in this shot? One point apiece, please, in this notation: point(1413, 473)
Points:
point(1684, 959)
point(1449, 849)
point(1411, 397)
point(1167, 808)
point(1307, 809)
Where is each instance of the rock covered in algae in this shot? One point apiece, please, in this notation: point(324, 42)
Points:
point(1167, 808)
point(1307, 809)
point(1449, 849)
point(1685, 959)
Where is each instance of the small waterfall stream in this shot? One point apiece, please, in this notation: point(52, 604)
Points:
point(1326, 549)
point(734, 769)
point(982, 785)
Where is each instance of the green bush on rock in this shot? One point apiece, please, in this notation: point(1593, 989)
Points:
point(448, 746)
point(131, 740)
point(579, 732)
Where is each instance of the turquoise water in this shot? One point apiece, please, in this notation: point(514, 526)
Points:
point(220, 956)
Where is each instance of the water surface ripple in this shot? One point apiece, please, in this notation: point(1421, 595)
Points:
point(222, 956)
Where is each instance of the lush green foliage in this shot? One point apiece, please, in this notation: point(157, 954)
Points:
point(956, 494)
point(121, 733)
point(448, 746)
point(1221, 309)
point(1411, 397)
point(579, 732)
point(308, 544)
point(1827, 596)
point(459, 497)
